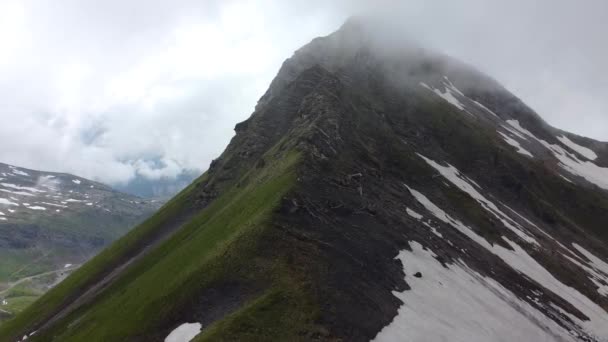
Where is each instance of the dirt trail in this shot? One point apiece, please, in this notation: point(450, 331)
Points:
point(22, 280)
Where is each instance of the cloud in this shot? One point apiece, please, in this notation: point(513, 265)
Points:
point(118, 90)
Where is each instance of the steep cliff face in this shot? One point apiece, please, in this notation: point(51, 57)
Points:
point(379, 191)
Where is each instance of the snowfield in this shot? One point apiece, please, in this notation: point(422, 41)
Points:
point(184, 333)
point(568, 161)
point(519, 260)
point(463, 183)
point(582, 150)
point(447, 95)
point(7, 202)
point(457, 304)
point(516, 144)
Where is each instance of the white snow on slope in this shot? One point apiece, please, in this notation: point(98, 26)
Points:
point(36, 207)
point(586, 169)
point(413, 214)
point(458, 304)
point(54, 204)
point(515, 124)
point(184, 333)
point(596, 268)
point(516, 144)
point(596, 262)
point(519, 260)
point(514, 132)
point(419, 217)
point(582, 150)
point(76, 181)
point(464, 183)
point(16, 171)
point(448, 95)
point(600, 280)
point(20, 193)
point(570, 162)
point(538, 228)
point(486, 108)
point(7, 202)
point(18, 187)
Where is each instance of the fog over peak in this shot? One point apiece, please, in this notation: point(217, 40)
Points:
point(116, 90)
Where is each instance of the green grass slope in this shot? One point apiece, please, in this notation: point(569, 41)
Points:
point(216, 246)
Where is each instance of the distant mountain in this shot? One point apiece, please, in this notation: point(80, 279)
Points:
point(50, 223)
point(379, 191)
point(161, 188)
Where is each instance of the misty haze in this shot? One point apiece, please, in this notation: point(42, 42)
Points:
point(303, 171)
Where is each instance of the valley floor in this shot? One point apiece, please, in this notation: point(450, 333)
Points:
point(17, 295)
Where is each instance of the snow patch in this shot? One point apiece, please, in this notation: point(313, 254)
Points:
point(523, 263)
point(448, 95)
point(516, 144)
point(463, 183)
point(7, 202)
point(597, 269)
point(515, 124)
point(36, 207)
point(599, 279)
point(16, 171)
point(184, 333)
point(54, 204)
point(19, 193)
point(570, 162)
point(514, 132)
point(18, 187)
point(596, 262)
point(419, 217)
point(582, 150)
point(586, 169)
point(76, 181)
point(457, 304)
point(413, 214)
point(486, 108)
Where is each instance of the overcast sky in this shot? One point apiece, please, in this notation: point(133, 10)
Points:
point(111, 89)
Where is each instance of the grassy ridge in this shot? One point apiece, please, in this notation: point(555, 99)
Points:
point(53, 299)
point(218, 244)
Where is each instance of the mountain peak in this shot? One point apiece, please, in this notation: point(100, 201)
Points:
point(371, 190)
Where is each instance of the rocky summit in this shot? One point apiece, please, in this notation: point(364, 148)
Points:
point(379, 191)
point(50, 223)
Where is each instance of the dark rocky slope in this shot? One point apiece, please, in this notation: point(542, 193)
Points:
point(363, 150)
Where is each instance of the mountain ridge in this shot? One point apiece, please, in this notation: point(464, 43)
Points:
point(349, 160)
